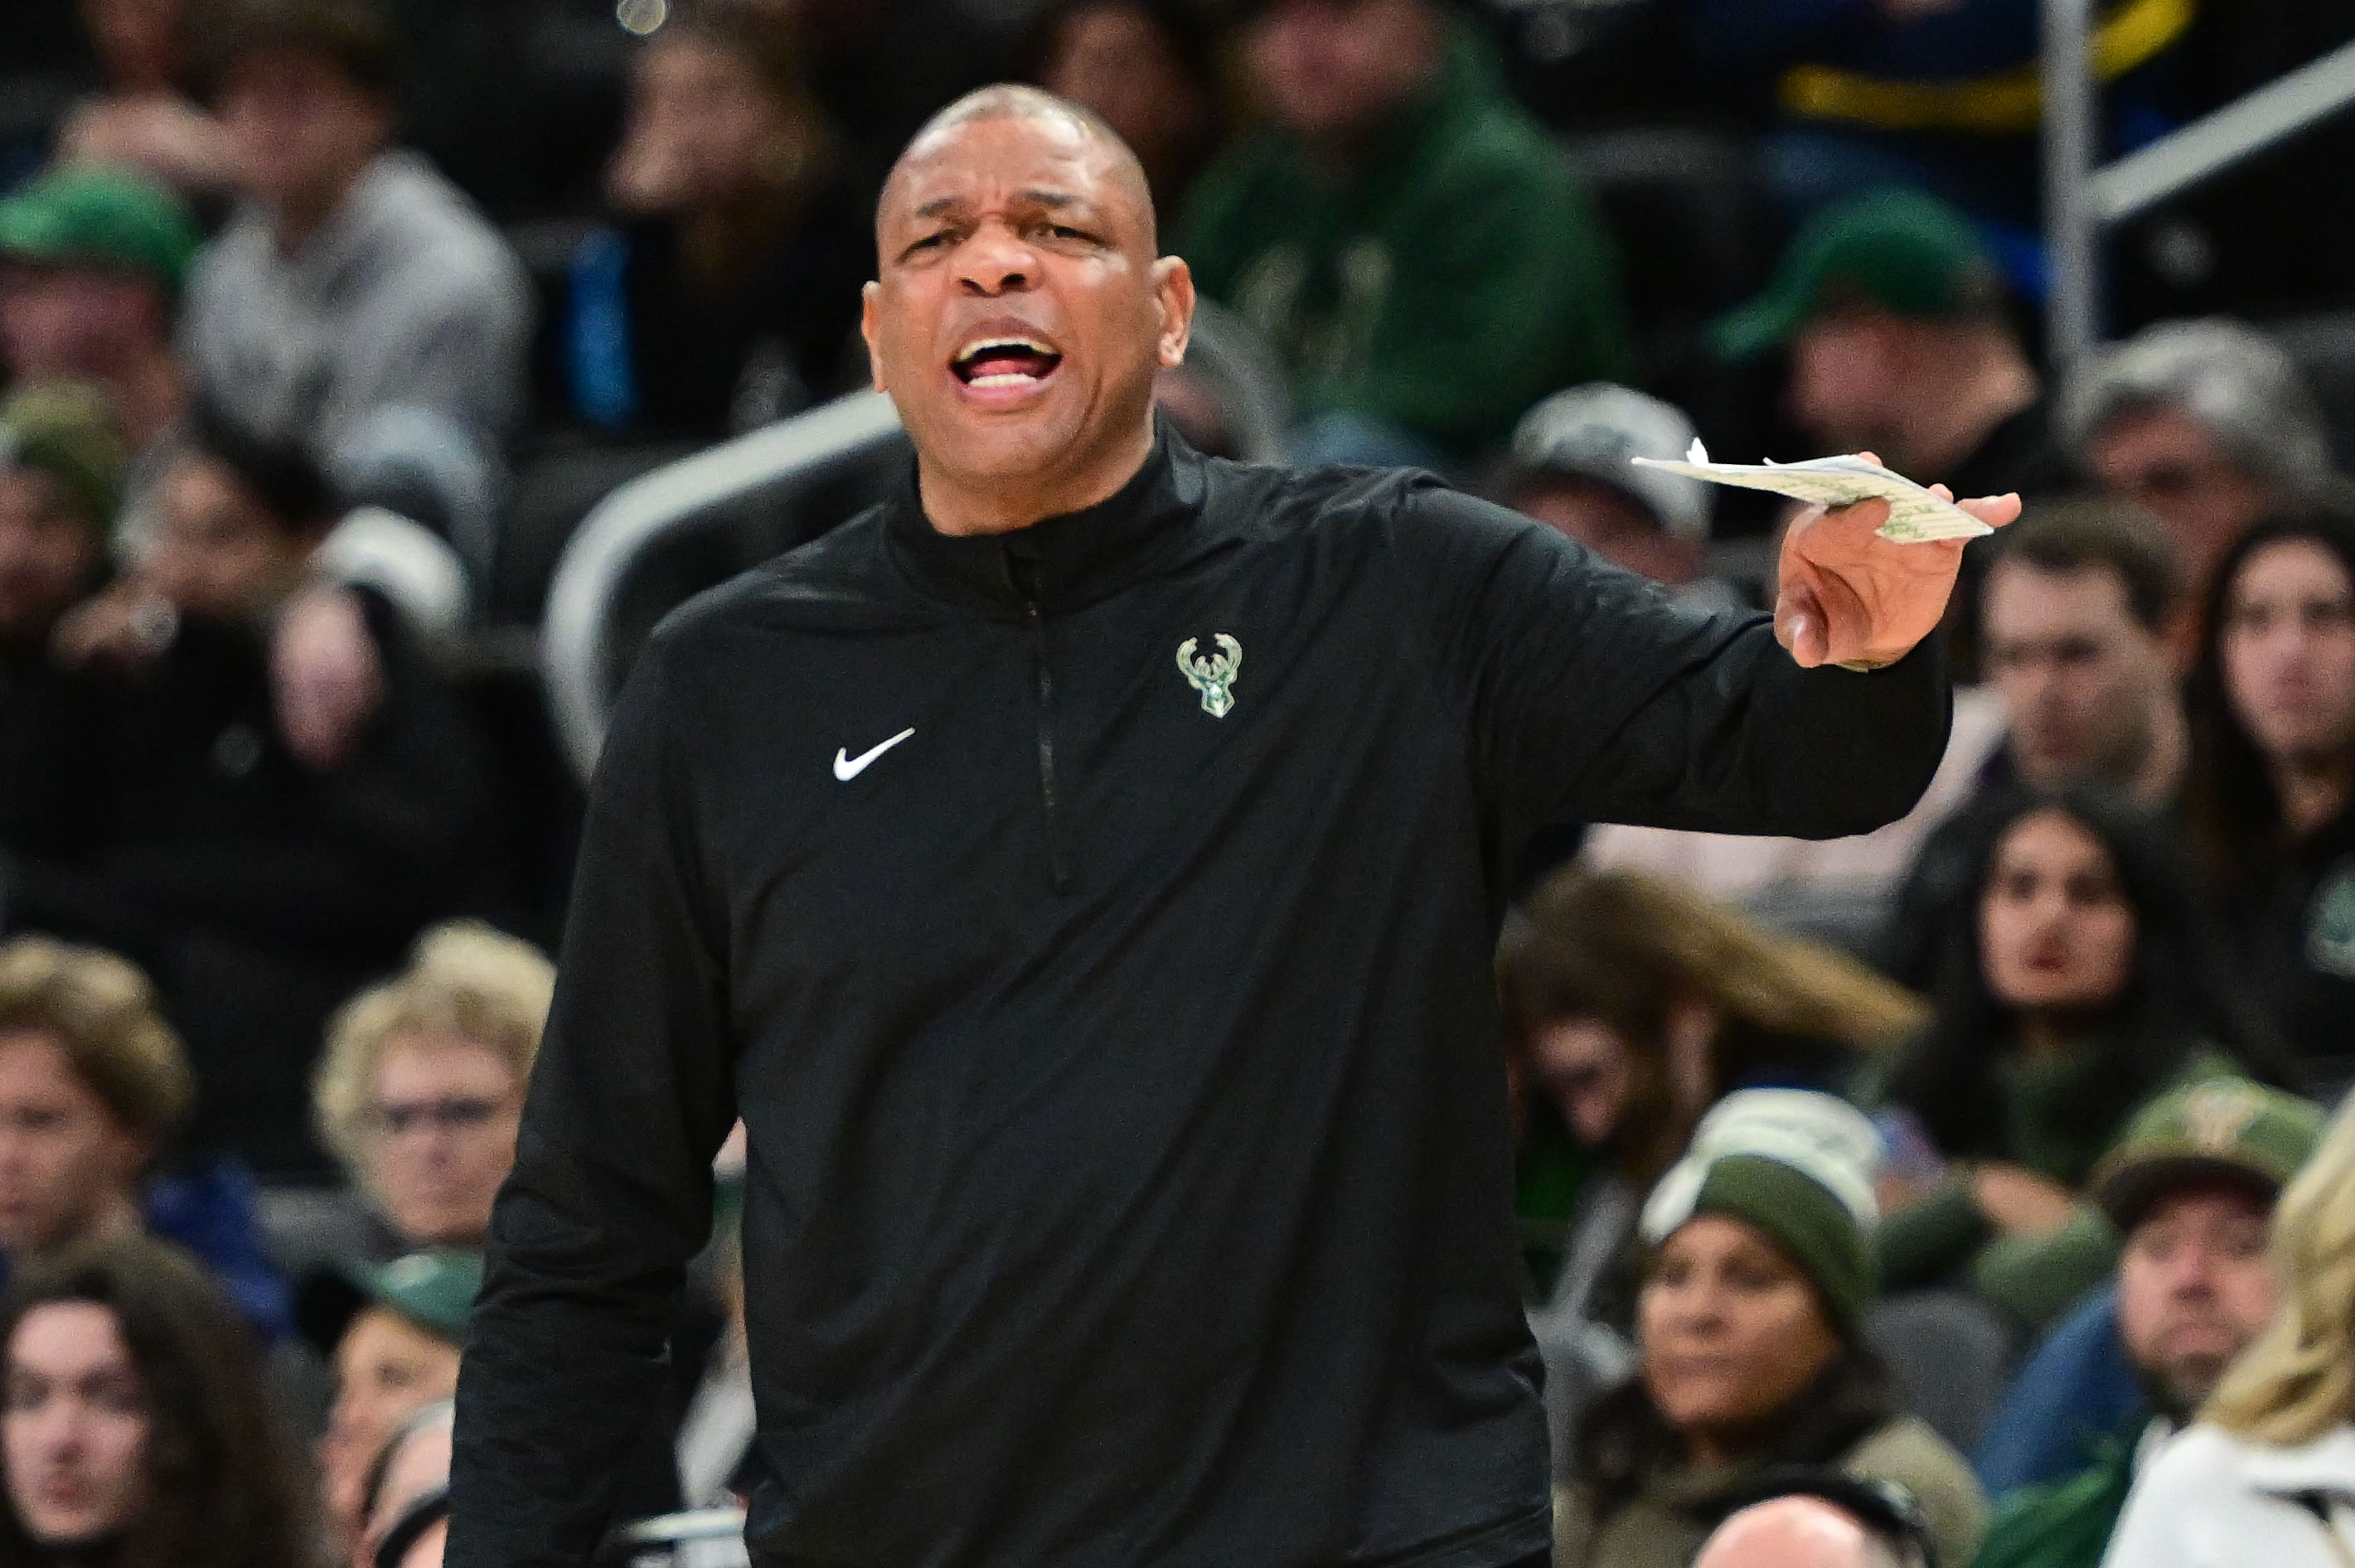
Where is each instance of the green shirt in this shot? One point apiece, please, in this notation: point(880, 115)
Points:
point(2067, 1524)
point(1446, 280)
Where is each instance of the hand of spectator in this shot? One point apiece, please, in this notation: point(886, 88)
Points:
point(1846, 596)
point(2021, 1202)
point(324, 666)
point(124, 627)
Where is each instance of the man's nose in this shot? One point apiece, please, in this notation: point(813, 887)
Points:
point(995, 261)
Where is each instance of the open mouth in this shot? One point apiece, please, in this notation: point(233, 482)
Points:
point(1005, 361)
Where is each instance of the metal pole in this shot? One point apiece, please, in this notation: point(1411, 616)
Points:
point(2242, 129)
point(2072, 237)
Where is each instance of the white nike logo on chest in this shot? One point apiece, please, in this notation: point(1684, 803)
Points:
point(846, 767)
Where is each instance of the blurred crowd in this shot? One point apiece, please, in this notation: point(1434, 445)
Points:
point(1964, 1192)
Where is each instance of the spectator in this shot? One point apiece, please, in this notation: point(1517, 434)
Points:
point(2077, 982)
point(2080, 624)
point(1570, 469)
point(2191, 1187)
point(408, 1495)
point(2079, 617)
point(1630, 1006)
point(2272, 788)
point(138, 1428)
point(94, 1084)
point(423, 1079)
point(1895, 318)
point(1751, 1353)
point(394, 1332)
point(61, 469)
point(2267, 1476)
point(2208, 424)
point(143, 119)
point(1149, 69)
point(357, 305)
point(261, 865)
point(91, 265)
point(727, 296)
point(1415, 249)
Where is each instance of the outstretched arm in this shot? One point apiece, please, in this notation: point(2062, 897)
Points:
point(611, 1192)
point(1593, 695)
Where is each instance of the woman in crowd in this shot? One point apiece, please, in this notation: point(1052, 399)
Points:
point(727, 295)
point(1150, 68)
point(136, 1431)
point(1631, 1005)
point(2078, 982)
point(2271, 793)
point(1760, 1275)
point(2267, 1476)
point(422, 1082)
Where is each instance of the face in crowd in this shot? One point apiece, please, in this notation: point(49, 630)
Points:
point(442, 1123)
point(2195, 1286)
point(298, 128)
point(1731, 1332)
point(386, 1370)
point(2172, 466)
point(2057, 933)
point(705, 131)
point(68, 1164)
point(76, 1428)
point(1595, 1076)
point(64, 323)
point(1020, 313)
point(2288, 650)
point(1332, 70)
point(1112, 56)
point(219, 555)
point(1614, 524)
point(49, 555)
point(2082, 679)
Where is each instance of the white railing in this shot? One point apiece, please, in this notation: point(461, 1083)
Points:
point(2083, 201)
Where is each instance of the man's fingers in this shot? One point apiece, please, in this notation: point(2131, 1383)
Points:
point(1799, 625)
point(1870, 512)
point(1994, 511)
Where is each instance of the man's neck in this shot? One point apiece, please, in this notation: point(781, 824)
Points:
point(2313, 790)
point(300, 217)
point(962, 507)
point(1949, 422)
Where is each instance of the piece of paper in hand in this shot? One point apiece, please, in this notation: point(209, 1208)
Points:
point(1916, 515)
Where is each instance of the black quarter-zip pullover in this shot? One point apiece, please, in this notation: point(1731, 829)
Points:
point(1130, 1177)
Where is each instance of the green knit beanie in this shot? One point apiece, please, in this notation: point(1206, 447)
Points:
point(1805, 1223)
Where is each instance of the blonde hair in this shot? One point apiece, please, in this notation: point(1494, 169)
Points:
point(102, 1012)
point(465, 980)
point(2297, 1380)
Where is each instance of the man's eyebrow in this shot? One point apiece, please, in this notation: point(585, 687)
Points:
point(1053, 201)
point(939, 205)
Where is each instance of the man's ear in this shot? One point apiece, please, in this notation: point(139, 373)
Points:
point(869, 326)
point(1173, 290)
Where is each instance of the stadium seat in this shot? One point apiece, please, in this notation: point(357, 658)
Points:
point(1952, 1352)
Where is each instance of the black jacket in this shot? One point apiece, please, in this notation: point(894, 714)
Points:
point(1130, 1178)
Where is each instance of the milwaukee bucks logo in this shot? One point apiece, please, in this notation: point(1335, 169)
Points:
point(1213, 675)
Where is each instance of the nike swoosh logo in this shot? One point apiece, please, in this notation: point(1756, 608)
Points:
point(848, 768)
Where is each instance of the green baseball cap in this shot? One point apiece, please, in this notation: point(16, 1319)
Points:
point(1903, 250)
point(2220, 1130)
point(67, 431)
point(101, 217)
point(432, 1290)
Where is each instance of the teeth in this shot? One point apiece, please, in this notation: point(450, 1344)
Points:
point(1033, 344)
point(1004, 378)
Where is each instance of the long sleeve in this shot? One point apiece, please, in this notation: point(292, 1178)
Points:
point(611, 1192)
point(1594, 696)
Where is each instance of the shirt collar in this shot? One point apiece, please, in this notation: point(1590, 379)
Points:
point(1065, 561)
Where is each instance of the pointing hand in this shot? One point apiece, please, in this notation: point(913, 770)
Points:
point(1846, 596)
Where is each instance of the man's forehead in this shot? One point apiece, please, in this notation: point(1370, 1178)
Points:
point(1043, 160)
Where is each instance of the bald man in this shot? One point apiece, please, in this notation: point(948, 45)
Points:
point(1080, 874)
point(1800, 1532)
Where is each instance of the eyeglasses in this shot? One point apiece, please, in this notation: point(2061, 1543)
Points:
point(456, 1114)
